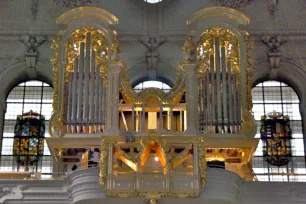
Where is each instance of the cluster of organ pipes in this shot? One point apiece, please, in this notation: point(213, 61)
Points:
point(219, 95)
point(85, 93)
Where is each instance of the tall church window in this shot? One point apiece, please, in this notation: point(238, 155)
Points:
point(277, 96)
point(28, 96)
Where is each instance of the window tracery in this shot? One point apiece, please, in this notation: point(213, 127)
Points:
point(26, 96)
point(277, 96)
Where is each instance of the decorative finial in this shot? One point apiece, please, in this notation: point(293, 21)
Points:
point(188, 49)
point(116, 48)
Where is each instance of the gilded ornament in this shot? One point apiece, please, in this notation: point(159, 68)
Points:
point(205, 48)
point(115, 45)
point(172, 97)
point(188, 49)
point(249, 73)
point(98, 43)
point(55, 63)
point(202, 161)
point(249, 126)
point(104, 159)
point(59, 121)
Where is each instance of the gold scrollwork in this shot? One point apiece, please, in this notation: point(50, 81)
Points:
point(202, 162)
point(248, 124)
point(249, 73)
point(99, 44)
point(205, 48)
point(172, 97)
point(188, 49)
point(103, 160)
point(55, 45)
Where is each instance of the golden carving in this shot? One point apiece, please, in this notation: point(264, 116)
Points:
point(103, 160)
point(153, 197)
point(55, 45)
point(202, 161)
point(155, 141)
point(99, 44)
point(172, 97)
point(188, 49)
point(115, 49)
point(248, 124)
point(59, 121)
point(205, 48)
point(249, 73)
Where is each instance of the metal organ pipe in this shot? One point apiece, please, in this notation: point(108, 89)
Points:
point(217, 66)
point(74, 90)
point(69, 101)
point(212, 79)
point(235, 103)
point(97, 96)
point(224, 85)
point(92, 87)
point(220, 95)
point(86, 79)
point(208, 104)
point(230, 93)
point(85, 93)
point(80, 84)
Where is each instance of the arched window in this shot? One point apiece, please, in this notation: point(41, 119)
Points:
point(152, 1)
point(152, 84)
point(30, 95)
point(277, 96)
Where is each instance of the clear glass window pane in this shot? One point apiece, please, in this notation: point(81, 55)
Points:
point(31, 95)
point(272, 96)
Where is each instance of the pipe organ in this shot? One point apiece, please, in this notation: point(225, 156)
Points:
point(219, 88)
point(85, 91)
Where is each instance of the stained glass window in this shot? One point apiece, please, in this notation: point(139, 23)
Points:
point(31, 95)
point(277, 96)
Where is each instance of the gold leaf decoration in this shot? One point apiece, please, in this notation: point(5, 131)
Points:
point(205, 48)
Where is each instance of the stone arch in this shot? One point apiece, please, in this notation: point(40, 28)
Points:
point(289, 73)
point(17, 73)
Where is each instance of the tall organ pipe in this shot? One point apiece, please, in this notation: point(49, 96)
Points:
point(208, 104)
point(97, 91)
point(230, 93)
point(212, 75)
point(100, 100)
point(80, 83)
point(69, 101)
point(86, 78)
point(235, 102)
point(217, 65)
point(74, 91)
point(92, 87)
point(224, 85)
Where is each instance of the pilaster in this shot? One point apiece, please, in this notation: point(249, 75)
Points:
point(113, 99)
point(191, 98)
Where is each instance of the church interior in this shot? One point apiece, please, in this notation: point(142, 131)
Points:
point(153, 101)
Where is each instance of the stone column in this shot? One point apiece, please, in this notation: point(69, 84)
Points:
point(191, 98)
point(113, 99)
